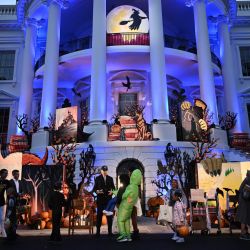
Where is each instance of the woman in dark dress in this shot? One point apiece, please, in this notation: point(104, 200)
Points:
point(243, 211)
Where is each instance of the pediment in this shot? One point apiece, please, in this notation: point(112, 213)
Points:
point(7, 96)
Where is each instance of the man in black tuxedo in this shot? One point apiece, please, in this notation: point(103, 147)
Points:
point(103, 187)
point(16, 183)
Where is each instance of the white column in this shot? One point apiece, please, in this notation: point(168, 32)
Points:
point(162, 130)
point(230, 85)
point(157, 62)
point(207, 87)
point(98, 93)
point(27, 77)
point(49, 92)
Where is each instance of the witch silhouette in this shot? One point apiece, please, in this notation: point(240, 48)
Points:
point(135, 19)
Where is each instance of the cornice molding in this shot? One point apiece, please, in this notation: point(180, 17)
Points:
point(64, 4)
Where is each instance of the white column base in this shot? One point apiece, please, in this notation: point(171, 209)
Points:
point(164, 131)
point(40, 139)
point(100, 132)
point(221, 135)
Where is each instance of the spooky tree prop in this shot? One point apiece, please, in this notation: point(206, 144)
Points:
point(36, 180)
point(228, 122)
point(175, 106)
point(177, 164)
point(22, 121)
point(64, 156)
point(87, 168)
point(204, 148)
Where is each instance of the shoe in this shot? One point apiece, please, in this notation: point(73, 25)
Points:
point(104, 211)
point(120, 237)
point(180, 240)
point(175, 237)
point(97, 235)
point(108, 213)
point(244, 237)
point(124, 239)
point(135, 235)
point(129, 239)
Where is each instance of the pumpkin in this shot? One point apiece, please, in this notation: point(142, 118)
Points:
point(42, 224)
point(45, 215)
point(104, 220)
point(183, 231)
point(49, 225)
point(116, 129)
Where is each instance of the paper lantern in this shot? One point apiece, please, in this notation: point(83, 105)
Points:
point(104, 220)
point(66, 222)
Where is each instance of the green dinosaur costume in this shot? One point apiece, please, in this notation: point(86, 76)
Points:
point(129, 199)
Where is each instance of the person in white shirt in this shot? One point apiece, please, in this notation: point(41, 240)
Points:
point(16, 183)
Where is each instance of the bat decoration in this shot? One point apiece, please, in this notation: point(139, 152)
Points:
point(76, 93)
point(128, 84)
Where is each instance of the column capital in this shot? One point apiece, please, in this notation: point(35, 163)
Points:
point(34, 22)
point(64, 4)
point(219, 19)
point(190, 3)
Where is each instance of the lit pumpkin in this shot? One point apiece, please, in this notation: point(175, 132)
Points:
point(49, 225)
point(104, 220)
point(183, 231)
point(45, 215)
point(42, 224)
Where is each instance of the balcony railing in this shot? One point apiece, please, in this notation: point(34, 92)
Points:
point(127, 39)
point(243, 8)
point(7, 10)
point(186, 45)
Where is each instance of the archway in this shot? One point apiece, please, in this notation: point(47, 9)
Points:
point(123, 168)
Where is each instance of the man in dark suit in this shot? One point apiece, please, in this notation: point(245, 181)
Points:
point(103, 187)
point(16, 183)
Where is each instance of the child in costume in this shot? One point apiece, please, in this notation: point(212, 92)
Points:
point(11, 217)
point(129, 199)
point(109, 210)
point(179, 215)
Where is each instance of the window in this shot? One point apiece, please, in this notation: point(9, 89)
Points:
point(126, 100)
point(7, 61)
point(248, 112)
point(245, 60)
point(4, 122)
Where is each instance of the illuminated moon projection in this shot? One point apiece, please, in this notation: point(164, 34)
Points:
point(127, 19)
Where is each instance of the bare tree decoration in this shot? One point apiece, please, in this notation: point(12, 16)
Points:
point(87, 168)
point(22, 121)
point(228, 121)
point(84, 114)
point(204, 148)
point(174, 109)
point(64, 156)
point(36, 181)
point(177, 164)
point(52, 122)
